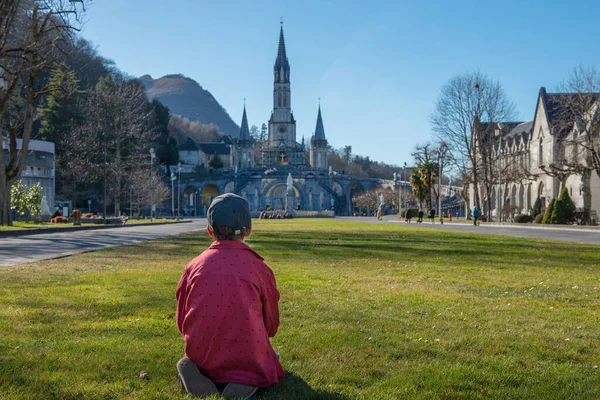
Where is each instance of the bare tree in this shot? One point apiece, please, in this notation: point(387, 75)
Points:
point(114, 141)
point(32, 38)
point(142, 187)
point(464, 102)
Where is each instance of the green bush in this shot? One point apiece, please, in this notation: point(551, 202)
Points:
point(537, 208)
point(414, 212)
point(538, 218)
point(564, 209)
point(523, 218)
point(548, 215)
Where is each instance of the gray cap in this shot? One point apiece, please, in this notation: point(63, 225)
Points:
point(229, 211)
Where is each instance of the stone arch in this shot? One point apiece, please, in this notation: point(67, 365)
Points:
point(274, 194)
point(542, 193)
point(513, 196)
point(522, 199)
point(187, 198)
point(353, 190)
point(209, 192)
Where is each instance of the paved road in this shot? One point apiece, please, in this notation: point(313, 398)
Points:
point(24, 249)
point(581, 235)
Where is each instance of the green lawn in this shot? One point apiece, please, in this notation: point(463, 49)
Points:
point(368, 311)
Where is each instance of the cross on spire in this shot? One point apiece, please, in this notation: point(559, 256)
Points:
point(281, 22)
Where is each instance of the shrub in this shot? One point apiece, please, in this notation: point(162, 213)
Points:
point(537, 207)
point(548, 215)
point(564, 208)
point(523, 218)
point(414, 212)
point(538, 218)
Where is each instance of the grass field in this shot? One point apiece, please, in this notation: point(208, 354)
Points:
point(369, 311)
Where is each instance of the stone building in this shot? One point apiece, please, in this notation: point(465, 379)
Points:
point(262, 181)
point(39, 166)
point(528, 155)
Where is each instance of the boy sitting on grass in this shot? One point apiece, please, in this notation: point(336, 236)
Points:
point(227, 309)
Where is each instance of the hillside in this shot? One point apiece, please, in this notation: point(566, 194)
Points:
point(185, 97)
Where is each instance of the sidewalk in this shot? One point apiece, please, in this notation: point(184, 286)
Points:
point(37, 231)
point(461, 222)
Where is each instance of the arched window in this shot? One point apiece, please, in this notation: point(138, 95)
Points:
point(541, 152)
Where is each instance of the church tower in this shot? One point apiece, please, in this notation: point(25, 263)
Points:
point(246, 150)
point(282, 126)
point(318, 145)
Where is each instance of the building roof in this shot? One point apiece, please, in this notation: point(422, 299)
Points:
point(214, 148)
point(244, 131)
point(282, 60)
point(188, 145)
point(564, 109)
point(319, 130)
point(227, 139)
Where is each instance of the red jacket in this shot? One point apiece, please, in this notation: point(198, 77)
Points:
point(227, 308)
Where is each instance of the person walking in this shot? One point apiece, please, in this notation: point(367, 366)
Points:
point(432, 215)
point(475, 215)
point(420, 217)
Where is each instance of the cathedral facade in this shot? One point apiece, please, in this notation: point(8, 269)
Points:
point(261, 175)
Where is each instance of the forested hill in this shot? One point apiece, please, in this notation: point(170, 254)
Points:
point(185, 97)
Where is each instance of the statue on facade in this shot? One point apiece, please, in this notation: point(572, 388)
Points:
point(45, 210)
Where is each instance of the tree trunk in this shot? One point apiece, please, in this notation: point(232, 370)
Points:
point(5, 217)
point(586, 178)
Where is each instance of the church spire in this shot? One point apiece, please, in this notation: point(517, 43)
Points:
point(282, 65)
point(244, 131)
point(319, 130)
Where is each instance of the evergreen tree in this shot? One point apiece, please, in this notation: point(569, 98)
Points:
point(537, 208)
point(564, 208)
point(548, 215)
point(61, 111)
point(216, 163)
point(165, 144)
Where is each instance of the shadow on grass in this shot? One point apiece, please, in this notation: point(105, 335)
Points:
point(295, 388)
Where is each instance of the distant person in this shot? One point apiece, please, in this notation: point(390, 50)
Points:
point(227, 309)
point(432, 215)
point(408, 215)
point(420, 216)
point(475, 214)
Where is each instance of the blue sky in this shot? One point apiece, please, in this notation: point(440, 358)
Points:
point(377, 66)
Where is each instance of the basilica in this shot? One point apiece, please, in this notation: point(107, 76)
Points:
point(261, 174)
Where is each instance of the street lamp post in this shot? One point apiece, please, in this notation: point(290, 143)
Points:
point(178, 190)
point(151, 188)
point(130, 201)
point(500, 153)
point(403, 180)
point(440, 159)
point(173, 178)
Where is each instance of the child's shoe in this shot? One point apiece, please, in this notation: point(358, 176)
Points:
point(192, 380)
point(239, 391)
